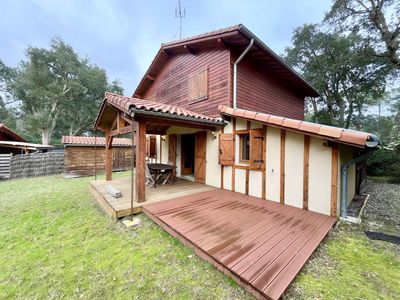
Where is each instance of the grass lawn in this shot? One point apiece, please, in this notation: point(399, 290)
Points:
point(56, 243)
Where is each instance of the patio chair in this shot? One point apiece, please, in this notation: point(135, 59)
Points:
point(149, 177)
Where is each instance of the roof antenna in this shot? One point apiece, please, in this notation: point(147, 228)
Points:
point(180, 13)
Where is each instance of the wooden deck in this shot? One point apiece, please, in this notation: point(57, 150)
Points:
point(121, 207)
point(261, 244)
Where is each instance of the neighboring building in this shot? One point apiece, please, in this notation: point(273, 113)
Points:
point(12, 144)
point(82, 154)
point(6, 137)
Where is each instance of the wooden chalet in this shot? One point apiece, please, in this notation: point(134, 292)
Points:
point(228, 113)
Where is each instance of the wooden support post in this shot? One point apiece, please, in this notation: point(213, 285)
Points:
point(264, 167)
point(109, 156)
point(140, 161)
point(306, 170)
point(335, 160)
point(282, 189)
point(234, 153)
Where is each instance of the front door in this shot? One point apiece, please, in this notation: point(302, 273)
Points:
point(200, 156)
point(187, 154)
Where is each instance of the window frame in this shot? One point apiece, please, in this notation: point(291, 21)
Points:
point(241, 136)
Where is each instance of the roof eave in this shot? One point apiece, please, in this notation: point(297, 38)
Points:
point(249, 35)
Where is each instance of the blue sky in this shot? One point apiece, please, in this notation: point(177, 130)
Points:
point(123, 36)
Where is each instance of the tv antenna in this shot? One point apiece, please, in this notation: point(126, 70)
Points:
point(180, 13)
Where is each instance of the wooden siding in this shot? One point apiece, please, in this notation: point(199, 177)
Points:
point(258, 90)
point(81, 160)
point(171, 83)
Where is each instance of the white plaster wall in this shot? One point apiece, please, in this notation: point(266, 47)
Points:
point(213, 169)
point(240, 181)
point(319, 181)
point(241, 124)
point(255, 183)
point(255, 125)
point(228, 178)
point(294, 169)
point(273, 144)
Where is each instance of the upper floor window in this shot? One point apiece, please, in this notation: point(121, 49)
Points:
point(198, 86)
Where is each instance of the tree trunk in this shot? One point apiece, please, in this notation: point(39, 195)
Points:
point(46, 135)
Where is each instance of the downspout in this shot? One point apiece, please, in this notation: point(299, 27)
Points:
point(235, 70)
point(371, 144)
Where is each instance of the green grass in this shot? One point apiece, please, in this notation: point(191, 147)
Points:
point(350, 266)
point(56, 243)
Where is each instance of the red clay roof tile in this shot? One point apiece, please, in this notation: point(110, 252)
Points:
point(291, 123)
point(340, 135)
point(125, 103)
point(91, 141)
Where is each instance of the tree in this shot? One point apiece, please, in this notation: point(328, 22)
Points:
point(377, 20)
point(57, 89)
point(343, 68)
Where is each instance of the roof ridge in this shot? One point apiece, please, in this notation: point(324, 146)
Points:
point(201, 35)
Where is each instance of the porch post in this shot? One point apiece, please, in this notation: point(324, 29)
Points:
point(140, 161)
point(109, 156)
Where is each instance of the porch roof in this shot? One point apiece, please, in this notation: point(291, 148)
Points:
point(141, 107)
point(344, 136)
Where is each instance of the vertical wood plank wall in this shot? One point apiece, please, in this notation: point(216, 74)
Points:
point(171, 83)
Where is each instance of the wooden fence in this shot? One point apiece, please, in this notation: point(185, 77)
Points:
point(5, 165)
point(36, 164)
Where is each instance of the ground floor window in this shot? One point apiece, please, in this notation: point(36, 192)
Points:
point(244, 147)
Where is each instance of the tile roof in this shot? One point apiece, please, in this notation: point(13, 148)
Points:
point(204, 35)
point(91, 141)
point(340, 135)
point(125, 103)
point(12, 134)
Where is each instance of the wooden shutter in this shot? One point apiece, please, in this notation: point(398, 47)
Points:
point(256, 148)
point(172, 149)
point(200, 156)
point(147, 146)
point(198, 86)
point(153, 148)
point(226, 146)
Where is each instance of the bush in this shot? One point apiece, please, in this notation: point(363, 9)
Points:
point(385, 163)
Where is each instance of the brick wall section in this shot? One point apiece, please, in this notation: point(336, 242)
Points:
point(34, 165)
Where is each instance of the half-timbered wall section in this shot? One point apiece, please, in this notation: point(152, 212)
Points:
point(259, 90)
point(181, 80)
point(282, 173)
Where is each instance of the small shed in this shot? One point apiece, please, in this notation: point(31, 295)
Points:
point(82, 154)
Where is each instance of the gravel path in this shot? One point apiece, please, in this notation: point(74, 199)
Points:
point(384, 201)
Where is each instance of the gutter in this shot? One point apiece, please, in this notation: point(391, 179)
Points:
point(235, 70)
point(371, 144)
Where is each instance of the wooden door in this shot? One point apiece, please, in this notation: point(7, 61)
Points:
point(187, 154)
point(200, 156)
point(118, 159)
point(172, 149)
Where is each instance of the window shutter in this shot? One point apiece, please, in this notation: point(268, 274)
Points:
point(147, 146)
point(226, 145)
point(153, 144)
point(172, 149)
point(198, 86)
point(256, 148)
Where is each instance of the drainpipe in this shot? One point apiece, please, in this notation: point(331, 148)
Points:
point(235, 70)
point(371, 144)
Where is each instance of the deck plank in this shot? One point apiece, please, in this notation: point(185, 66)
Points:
point(261, 244)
